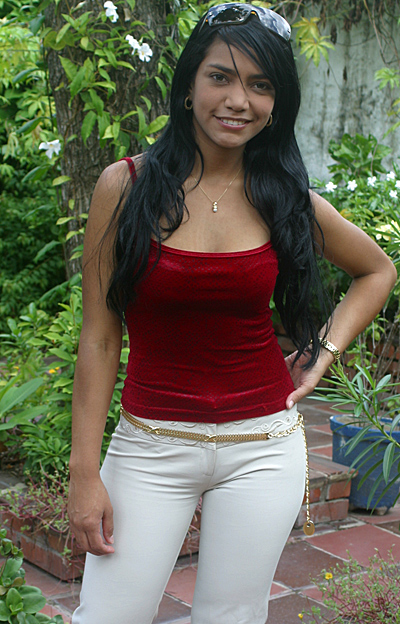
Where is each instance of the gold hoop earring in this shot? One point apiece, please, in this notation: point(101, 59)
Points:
point(269, 122)
point(186, 103)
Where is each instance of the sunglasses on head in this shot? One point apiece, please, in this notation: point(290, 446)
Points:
point(238, 13)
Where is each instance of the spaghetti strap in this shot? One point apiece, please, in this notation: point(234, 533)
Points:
point(132, 169)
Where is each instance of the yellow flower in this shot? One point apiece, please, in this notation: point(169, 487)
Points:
point(57, 368)
point(301, 616)
point(328, 576)
point(52, 371)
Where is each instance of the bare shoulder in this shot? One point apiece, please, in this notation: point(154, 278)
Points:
point(344, 243)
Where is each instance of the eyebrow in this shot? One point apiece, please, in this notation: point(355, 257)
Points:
point(232, 72)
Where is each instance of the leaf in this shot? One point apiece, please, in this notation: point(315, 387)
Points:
point(12, 566)
point(5, 612)
point(88, 125)
point(62, 32)
point(64, 355)
point(29, 125)
point(13, 600)
point(78, 82)
point(162, 86)
point(23, 74)
point(157, 124)
point(19, 394)
point(147, 102)
point(142, 120)
point(97, 101)
point(388, 460)
point(32, 598)
point(69, 67)
point(63, 220)
point(61, 180)
point(48, 247)
point(36, 174)
point(22, 418)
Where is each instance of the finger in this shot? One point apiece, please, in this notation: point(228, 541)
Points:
point(108, 525)
point(80, 539)
point(97, 545)
point(300, 393)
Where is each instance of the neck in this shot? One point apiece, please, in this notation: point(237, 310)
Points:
point(218, 166)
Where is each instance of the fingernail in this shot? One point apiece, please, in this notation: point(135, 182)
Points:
point(111, 540)
point(291, 404)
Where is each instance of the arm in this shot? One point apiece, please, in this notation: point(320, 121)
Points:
point(373, 275)
point(89, 506)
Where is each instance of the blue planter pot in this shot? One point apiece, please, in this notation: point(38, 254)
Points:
point(343, 432)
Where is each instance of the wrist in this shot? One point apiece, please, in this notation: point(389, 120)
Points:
point(329, 347)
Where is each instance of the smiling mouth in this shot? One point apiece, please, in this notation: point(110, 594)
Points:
point(234, 122)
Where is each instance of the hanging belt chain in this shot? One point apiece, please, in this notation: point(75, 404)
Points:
point(308, 526)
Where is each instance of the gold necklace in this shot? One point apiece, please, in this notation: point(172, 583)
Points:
point(214, 204)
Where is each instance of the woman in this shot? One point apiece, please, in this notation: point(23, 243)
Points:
point(213, 217)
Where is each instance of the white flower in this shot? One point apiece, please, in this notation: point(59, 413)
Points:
point(330, 187)
point(398, 184)
point(351, 185)
point(111, 10)
point(393, 194)
point(145, 52)
point(51, 147)
point(391, 175)
point(371, 181)
point(385, 229)
point(134, 43)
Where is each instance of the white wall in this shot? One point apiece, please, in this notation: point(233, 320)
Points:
point(343, 97)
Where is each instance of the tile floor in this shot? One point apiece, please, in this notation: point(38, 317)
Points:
point(302, 558)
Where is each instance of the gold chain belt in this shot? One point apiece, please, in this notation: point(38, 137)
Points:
point(308, 526)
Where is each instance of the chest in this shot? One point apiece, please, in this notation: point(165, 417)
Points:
point(235, 226)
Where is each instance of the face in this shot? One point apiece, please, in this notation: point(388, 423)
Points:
point(229, 110)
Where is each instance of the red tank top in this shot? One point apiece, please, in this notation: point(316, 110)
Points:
point(202, 345)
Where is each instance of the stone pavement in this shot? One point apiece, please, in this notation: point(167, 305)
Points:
point(303, 557)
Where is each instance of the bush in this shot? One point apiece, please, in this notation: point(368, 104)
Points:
point(47, 347)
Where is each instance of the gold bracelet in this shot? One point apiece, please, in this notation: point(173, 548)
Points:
point(330, 347)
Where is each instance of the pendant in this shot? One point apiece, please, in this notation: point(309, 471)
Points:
point(215, 206)
point(309, 528)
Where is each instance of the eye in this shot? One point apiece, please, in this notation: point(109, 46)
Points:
point(264, 86)
point(218, 78)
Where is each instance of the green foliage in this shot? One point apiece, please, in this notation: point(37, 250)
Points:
point(366, 399)
point(357, 156)
point(389, 77)
point(31, 250)
point(43, 502)
point(19, 603)
point(360, 594)
point(310, 40)
point(45, 441)
point(12, 395)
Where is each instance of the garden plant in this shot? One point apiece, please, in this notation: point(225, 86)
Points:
point(19, 603)
point(359, 595)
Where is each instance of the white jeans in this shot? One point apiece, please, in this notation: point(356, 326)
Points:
point(252, 492)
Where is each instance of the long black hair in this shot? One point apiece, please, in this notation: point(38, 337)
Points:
point(273, 167)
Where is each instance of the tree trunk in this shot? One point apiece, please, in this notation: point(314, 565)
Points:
point(84, 163)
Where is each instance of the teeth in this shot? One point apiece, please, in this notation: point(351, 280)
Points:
point(232, 122)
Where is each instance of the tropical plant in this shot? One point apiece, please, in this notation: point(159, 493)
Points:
point(372, 406)
point(19, 603)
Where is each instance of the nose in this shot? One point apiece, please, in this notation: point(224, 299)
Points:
point(237, 98)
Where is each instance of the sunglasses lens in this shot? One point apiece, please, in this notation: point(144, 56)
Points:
point(230, 15)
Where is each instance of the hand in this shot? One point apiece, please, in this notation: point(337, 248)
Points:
point(89, 508)
point(305, 381)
